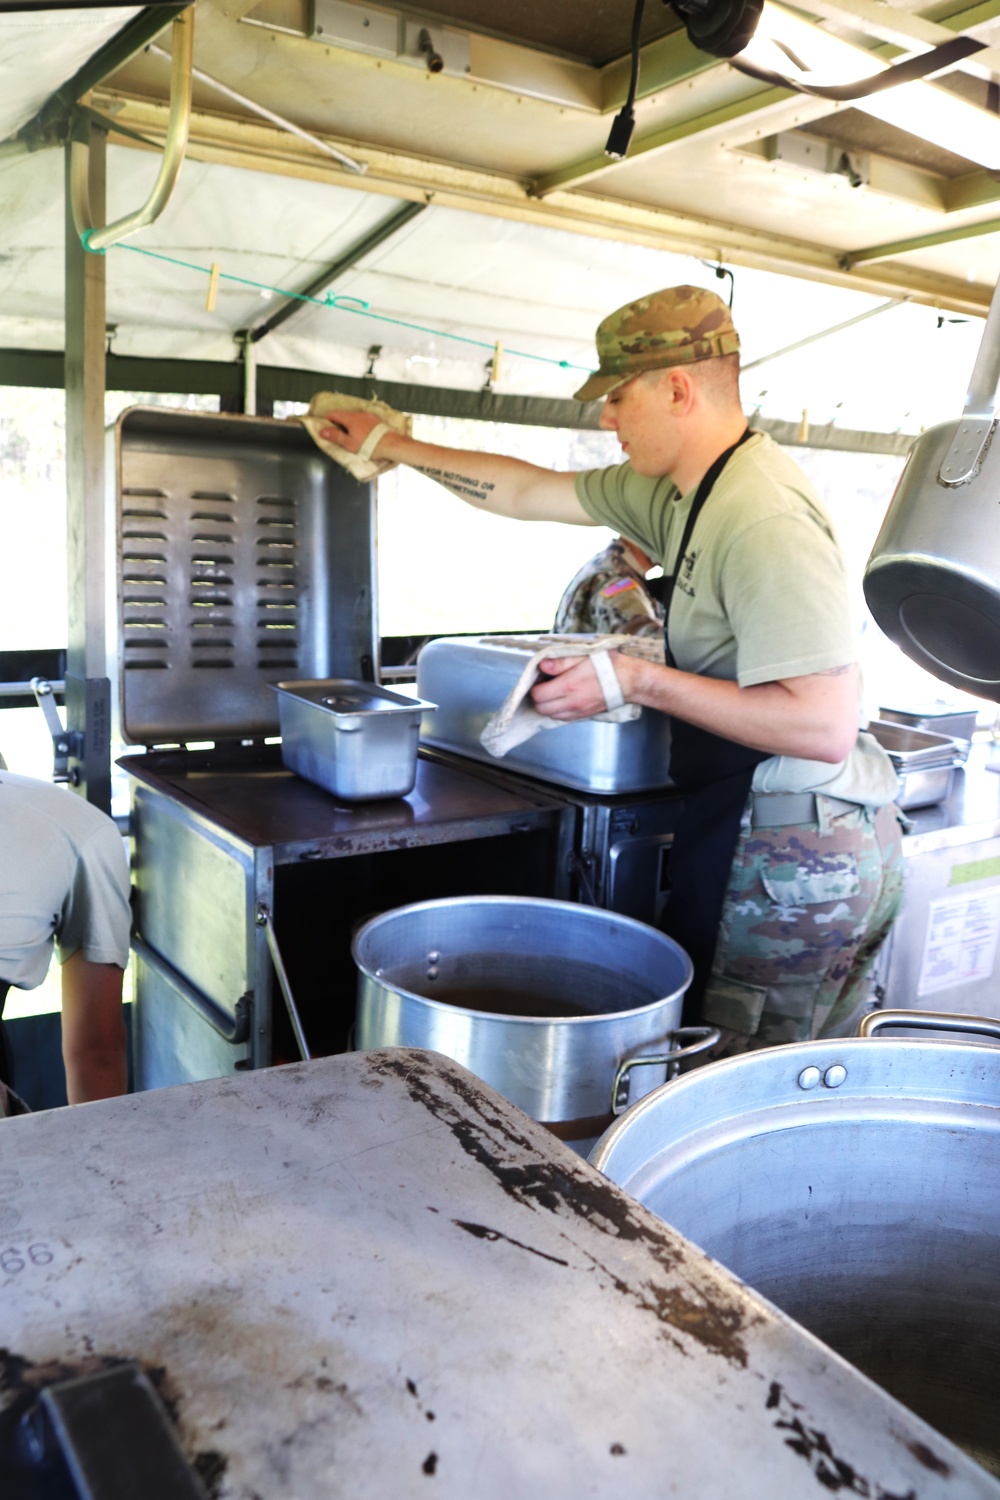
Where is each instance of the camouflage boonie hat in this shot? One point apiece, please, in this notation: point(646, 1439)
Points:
point(678, 326)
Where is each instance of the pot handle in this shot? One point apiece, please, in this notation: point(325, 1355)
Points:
point(927, 1020)
point(705, 1037)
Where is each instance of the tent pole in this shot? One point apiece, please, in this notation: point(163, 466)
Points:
point(88, 692)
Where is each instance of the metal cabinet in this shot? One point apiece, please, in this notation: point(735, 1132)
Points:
point(619, 857)
point(222, 840)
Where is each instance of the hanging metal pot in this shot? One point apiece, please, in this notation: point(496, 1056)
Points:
point(933, 579)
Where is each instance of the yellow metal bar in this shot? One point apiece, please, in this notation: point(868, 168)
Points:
point(921, 242)
point(174, 146)
point(262, 148)
point(658, 140)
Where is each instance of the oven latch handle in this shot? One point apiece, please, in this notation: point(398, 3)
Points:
point(67, 744)
point(265, 920)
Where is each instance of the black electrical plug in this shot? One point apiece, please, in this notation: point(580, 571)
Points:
point(623, 123)
point(620, 133)
point(435, 62)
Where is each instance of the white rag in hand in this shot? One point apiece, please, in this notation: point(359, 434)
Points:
point(361, 465)
point(518, 719)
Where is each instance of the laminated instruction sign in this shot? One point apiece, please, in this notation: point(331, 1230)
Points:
point(961, 941)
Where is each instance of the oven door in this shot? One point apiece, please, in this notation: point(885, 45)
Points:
point(179, 1035)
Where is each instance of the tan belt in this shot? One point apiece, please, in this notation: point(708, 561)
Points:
point(774, 809)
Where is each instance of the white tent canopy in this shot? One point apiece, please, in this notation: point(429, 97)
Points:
point(441, 292)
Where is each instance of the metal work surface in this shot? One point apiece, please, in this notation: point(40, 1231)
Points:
point(264, 805)
point(370, 1276)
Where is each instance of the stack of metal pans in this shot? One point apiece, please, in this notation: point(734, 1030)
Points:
point(924, 762)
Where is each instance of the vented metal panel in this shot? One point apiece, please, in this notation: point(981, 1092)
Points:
point(244, 556)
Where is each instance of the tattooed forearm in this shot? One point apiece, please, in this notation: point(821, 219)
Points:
point(460, 484)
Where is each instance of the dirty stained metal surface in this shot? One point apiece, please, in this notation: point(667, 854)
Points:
point(267, 806)
point(369, 1275)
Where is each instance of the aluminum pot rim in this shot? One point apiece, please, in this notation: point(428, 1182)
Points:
point(598, 912)
point(797, 1055)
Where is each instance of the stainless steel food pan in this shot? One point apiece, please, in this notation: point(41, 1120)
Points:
point(925, 786)
point(958, 723)
point(910, 748)
point(354, 739)
point(469, 680)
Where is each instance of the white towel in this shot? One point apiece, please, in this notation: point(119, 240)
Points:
point(315, 420)
point(518, 719)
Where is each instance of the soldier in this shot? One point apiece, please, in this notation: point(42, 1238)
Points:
point(610, 595)
point(786, 867)
point(64, 883)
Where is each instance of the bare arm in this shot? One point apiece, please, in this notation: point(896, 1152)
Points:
point(814, 717)
point(489, 481)
point(93, 1030)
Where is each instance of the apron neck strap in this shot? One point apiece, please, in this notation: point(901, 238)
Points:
point(701, 495)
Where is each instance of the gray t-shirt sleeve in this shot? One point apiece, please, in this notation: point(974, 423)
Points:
point(613, 498)
point(95, 917)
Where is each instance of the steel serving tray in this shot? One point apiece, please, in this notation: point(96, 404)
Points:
point(958, 723)
point(469, 678)
point(245, 555)
point(925, 787)
point(355, 739)
point(908, 748)
point(924, 762)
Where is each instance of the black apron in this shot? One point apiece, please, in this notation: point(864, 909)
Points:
point(715, 775)
point(6, 1068)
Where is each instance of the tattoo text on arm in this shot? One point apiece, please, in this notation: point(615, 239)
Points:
point(460, 484)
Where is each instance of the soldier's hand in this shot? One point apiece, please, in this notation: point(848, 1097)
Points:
point(573, 691)
point(348, 429)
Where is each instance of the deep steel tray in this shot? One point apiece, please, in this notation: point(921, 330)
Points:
point(925, 787)
point(909, 749)
point(356, 740)
point(958, 723)
point(244, 556)
point(469, 678)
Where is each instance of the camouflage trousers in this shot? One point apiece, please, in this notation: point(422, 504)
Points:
point(807, 908)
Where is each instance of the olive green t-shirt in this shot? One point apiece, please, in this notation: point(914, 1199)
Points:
point(761, 594)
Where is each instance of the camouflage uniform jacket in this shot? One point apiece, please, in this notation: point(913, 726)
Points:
point(609, 596)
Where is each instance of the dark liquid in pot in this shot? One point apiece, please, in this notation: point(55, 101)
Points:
point(520, 985)
point(503, 1002)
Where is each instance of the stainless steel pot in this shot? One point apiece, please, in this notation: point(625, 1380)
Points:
point(855, 1183)
point(554, 1004)
point(933, 578)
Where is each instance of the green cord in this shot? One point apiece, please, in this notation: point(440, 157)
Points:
point(341, 304)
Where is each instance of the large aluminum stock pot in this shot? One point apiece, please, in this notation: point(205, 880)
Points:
point(856, 1184)
point(547, 1001)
